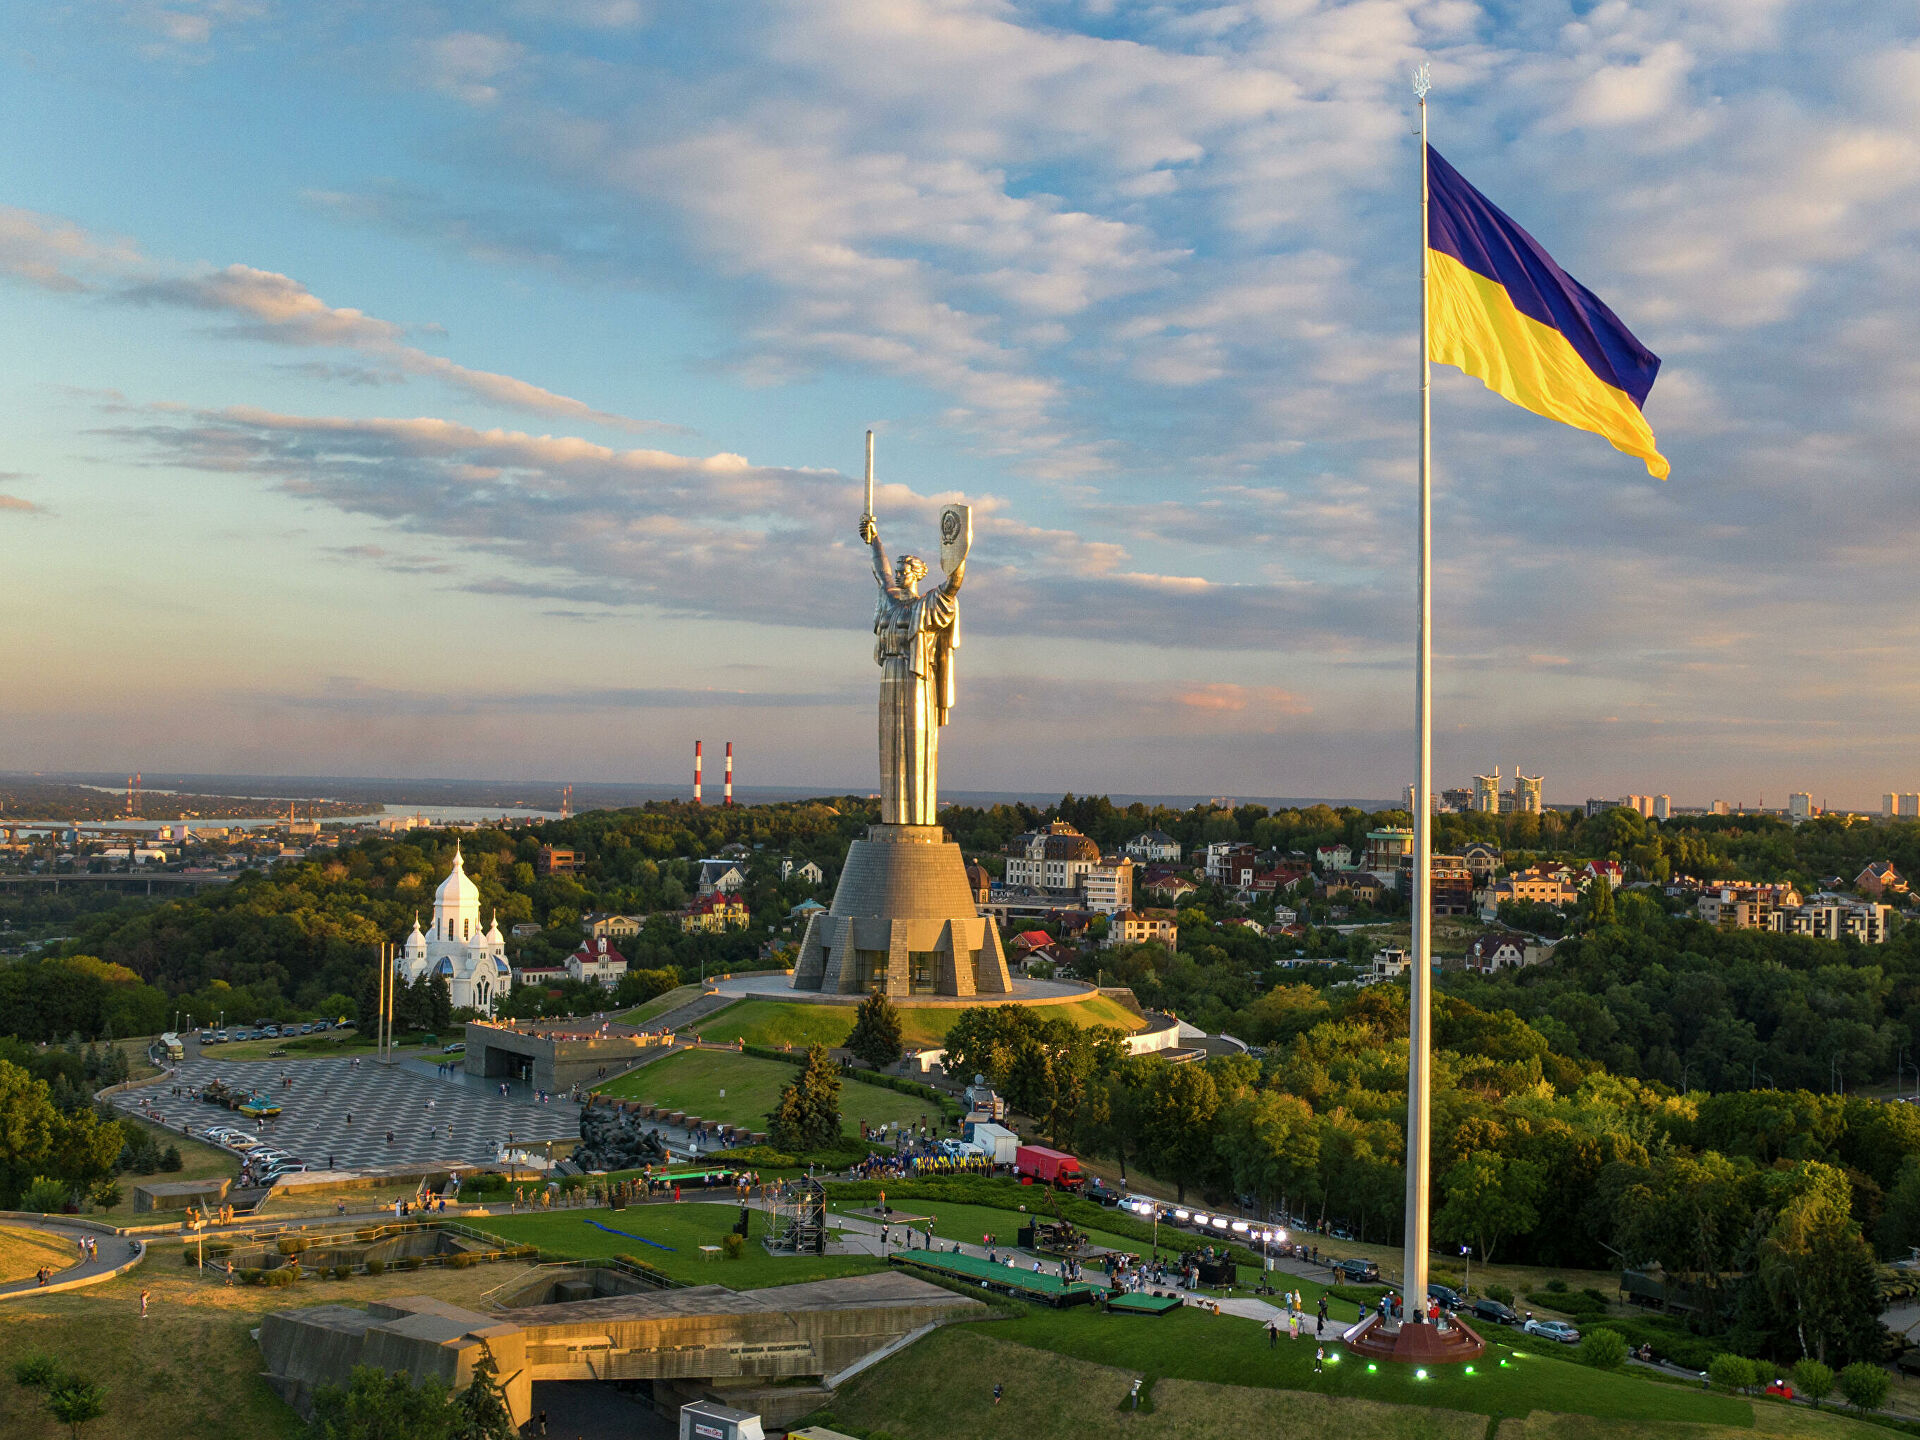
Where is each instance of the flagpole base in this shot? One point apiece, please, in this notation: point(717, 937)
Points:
point(1414, 1342)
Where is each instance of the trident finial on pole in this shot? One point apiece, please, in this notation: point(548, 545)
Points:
point(1422, 80)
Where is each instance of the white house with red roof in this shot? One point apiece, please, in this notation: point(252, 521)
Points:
point(596, 959)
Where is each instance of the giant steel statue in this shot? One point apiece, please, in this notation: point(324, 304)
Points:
point(914, 639)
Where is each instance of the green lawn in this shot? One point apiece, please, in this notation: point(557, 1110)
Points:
point(661, 1004)
point(1193, 1345)
point(782, 1022)
point(567, 1235)
point(198, 1161)
point(693, 1079)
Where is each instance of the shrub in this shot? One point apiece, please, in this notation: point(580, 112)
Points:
point(460, 1260)
point(638, 1264)
point(1865, 1385)
point(1731, 1373)
point(1557, 1286)
point(733, 1245)
point(1599, 1300)
point(1603, 1349)
point(411, 1262)
point(291, 1245)
point(47, 1196)
point(106, 1194)
point(1500, 1293)
point(762, 1157)
point(376, 1266)
point(1669, 1340)
point(280, 1279)
point(170, 1158)
point(341, 1272)
point(36, 1371)
point(1813, 1380)
point(251, 1276)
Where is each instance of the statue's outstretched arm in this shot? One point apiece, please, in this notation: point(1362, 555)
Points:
point(870, 532)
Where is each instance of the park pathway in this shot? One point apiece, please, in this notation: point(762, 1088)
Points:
point(118, 1254)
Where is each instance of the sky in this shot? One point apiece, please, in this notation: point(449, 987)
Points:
point(479, 390)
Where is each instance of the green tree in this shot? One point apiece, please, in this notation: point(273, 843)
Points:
point(875, 1037)
point(480, 1411)
point(1813, 1380)
point(45, 1196)
point(73, 1400)
point(1814, 1282)
point(1731, 1373)
point(808, 1115)
point(1489, 1197)
point(1175, 1114)
point(1603, 1349)
point(1865, 1386)
point(375, 1405)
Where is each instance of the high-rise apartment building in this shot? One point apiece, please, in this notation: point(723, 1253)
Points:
point(1486, 792)
point(1800, 806)
point(1526, 793)
point(1663, 807)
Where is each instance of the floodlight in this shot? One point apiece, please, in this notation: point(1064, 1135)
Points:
point(1419, 1374)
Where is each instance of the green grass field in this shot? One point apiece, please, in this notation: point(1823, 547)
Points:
point(197, 1162)
point(777, 1022)
point(693, 1079)
point(567, 1235)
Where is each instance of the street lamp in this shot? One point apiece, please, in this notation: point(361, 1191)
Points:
point(1466, 1253)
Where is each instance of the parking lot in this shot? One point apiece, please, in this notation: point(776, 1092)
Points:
point(338, 1114)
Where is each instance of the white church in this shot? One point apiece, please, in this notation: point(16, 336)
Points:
point(473, 961)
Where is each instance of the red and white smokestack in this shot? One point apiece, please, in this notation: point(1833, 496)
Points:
point(696, 772)
point(729, 772)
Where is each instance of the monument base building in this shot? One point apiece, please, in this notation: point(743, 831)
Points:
point(903, 922)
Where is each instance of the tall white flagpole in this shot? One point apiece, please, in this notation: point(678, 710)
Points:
point(1420, 996)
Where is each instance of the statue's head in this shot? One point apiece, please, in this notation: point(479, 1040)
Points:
point(909, 571)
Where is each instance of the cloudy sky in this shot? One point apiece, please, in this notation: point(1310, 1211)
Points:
point(478, 389)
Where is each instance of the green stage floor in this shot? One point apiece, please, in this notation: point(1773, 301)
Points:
point(1144, 1304)
point(1033, 1285)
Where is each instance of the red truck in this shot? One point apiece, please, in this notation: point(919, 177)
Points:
point(1051, 1167)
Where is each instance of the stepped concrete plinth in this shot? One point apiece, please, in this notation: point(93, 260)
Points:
point(1415, 1342)
point(903, 922)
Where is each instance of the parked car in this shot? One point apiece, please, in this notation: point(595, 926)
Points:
point(1448, 1297)
point(1553, 1330)
point(1356, 1270)
point(345, 1025)
point(1494, 1312)
point(272, 1032)
point(1908, 1361)
point(320, 1025)
point(454, 1049)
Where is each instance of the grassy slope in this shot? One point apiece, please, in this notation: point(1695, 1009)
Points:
point(1193, 1345)
point(565, 1234)
point(22, 1252)
point(776, 1022)
point(661, 1004)
point(942, 1389)
point(693, 1079)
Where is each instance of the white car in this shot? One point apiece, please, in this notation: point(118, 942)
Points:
point(1553, 1330)
point(241, 1142)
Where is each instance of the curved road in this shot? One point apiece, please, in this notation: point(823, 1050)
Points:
point(118, 1253)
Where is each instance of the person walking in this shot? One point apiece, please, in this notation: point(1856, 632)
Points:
point(143, 1303)
point(997, 1391)
point(1273, 1332)
point(1319, 1359)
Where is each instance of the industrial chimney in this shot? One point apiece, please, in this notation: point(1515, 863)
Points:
point(696, 772)
point(729, 793)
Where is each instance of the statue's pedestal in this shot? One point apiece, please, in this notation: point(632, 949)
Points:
point(904, 922)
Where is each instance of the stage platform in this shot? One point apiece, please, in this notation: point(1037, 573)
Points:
point(1144, 1304)
point(1029, 1284)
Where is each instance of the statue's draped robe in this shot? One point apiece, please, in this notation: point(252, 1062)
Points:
point(913, 644)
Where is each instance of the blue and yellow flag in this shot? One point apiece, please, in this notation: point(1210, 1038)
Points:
point(1501, 310)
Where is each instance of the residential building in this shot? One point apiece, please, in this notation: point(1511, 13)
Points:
point(543, 975)
point(1546, 884)
point(1482, 859)
point(1835, 917)
point(1330, 858)
point(806, 870)
point(611, 927)
point(1526, 793)
point(713, 914)
point(1879, 878)
point(1385, 847)
point(1663, 807)
point(1639, 804)
point(1746, 907)
point(721, 877)
point(1362, 886)
point(1607, 870)
point(597, 960)
point(1503, 950)
point(1434, 802)
point(1456, 802)
point(1486, 792)
point(1800, 806)
point(1450, 880)
point(1226, 861)
point(550, 860)
point(526, 929)
point(1171, 888)
point(1136, 927)
point(1151, 845)
point(1107, 888)
point(1285, 917)
point(1388, 965)
point(1599, 807)
point(1052, 860)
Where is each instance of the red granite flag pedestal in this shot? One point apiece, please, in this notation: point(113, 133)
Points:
point(1414, 1343)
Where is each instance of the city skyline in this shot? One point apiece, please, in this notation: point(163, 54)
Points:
point(486, 397)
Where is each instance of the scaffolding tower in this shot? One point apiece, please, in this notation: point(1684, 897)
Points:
point(798, 1212)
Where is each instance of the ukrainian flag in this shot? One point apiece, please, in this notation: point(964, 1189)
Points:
point(1501, 310)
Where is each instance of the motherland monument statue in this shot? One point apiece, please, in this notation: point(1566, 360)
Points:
point(903, 919)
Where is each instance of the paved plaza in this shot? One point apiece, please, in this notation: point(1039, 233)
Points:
point(433, 1120)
